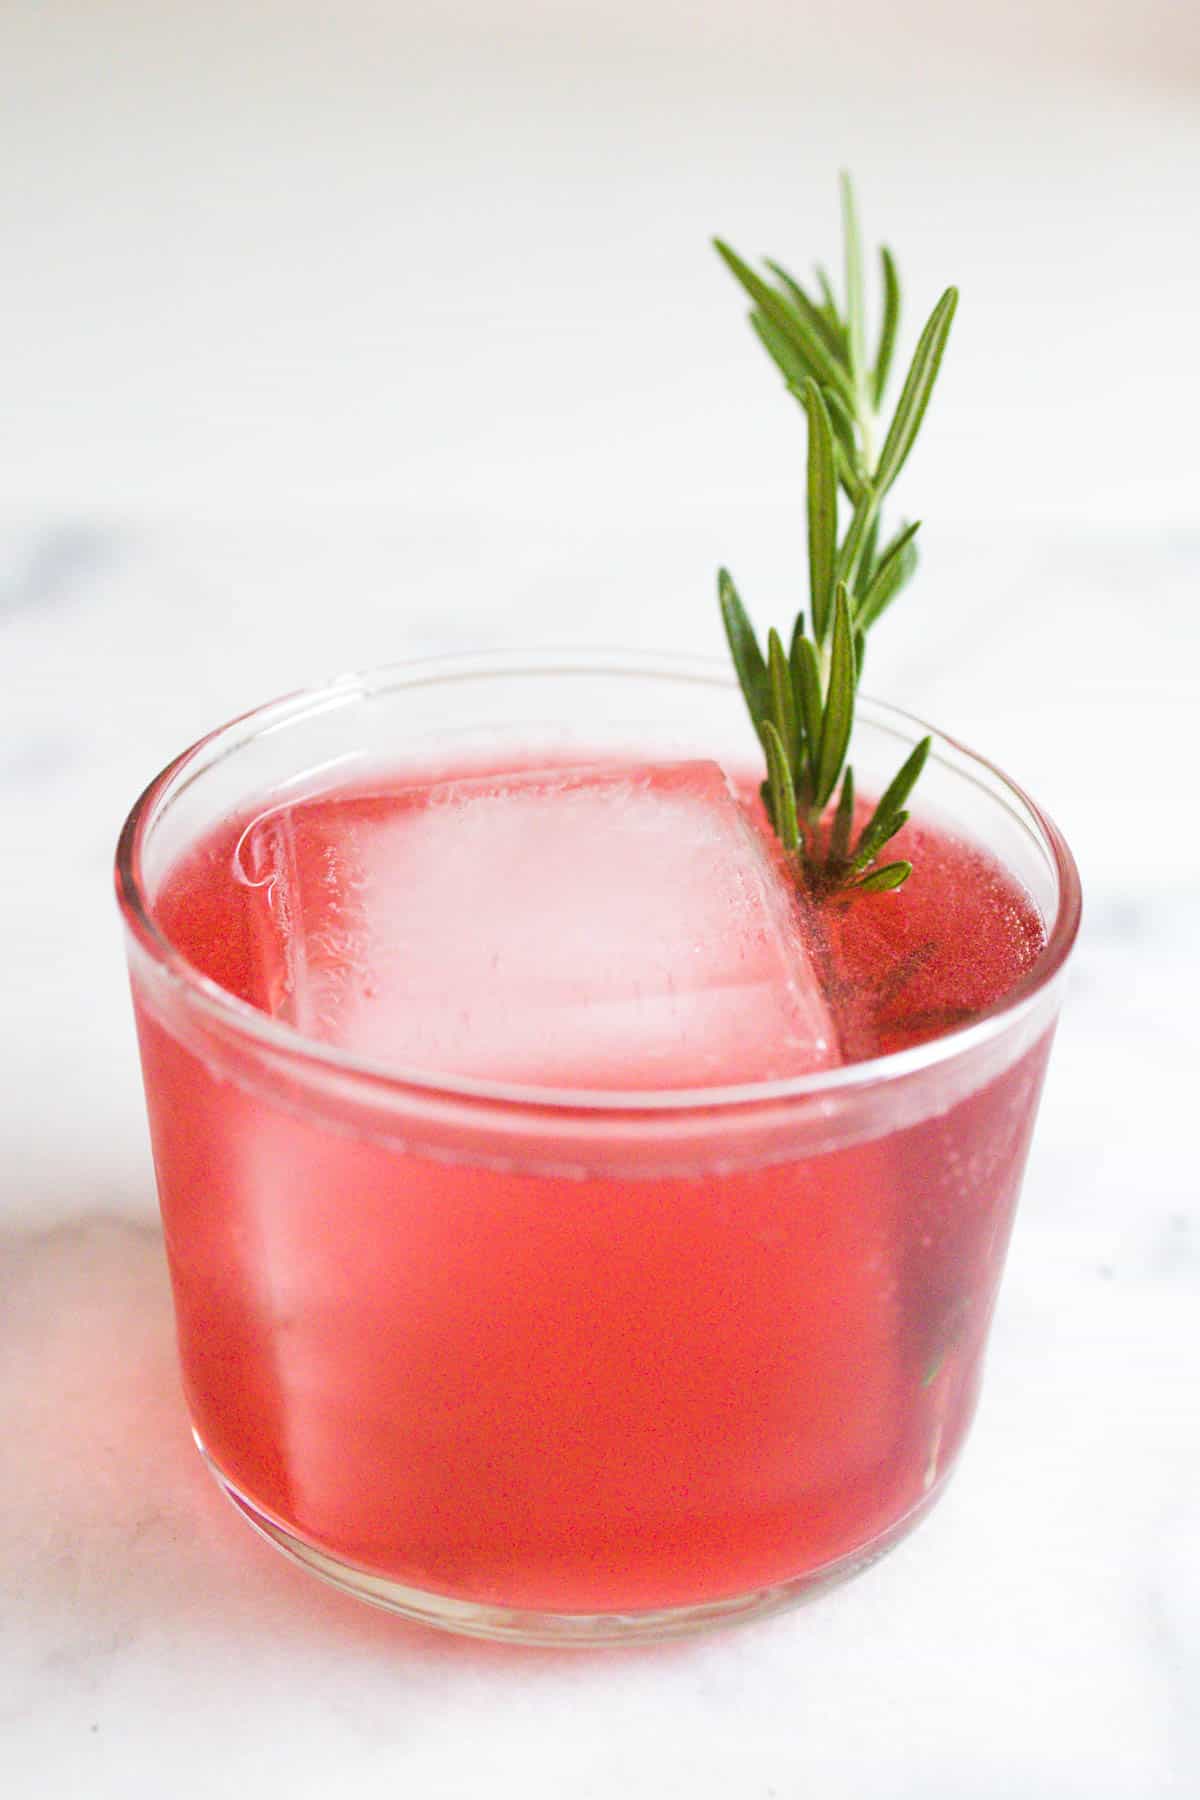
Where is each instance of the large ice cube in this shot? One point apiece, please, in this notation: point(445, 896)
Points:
point(602, 927)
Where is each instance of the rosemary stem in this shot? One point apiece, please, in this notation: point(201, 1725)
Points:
point(866, 431)
point(801, 701)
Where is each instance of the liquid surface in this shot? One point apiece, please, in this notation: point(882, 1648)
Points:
point(630, 927)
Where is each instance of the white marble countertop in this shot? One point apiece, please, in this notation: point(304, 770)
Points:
point(253, 455)
point(1040, 1633)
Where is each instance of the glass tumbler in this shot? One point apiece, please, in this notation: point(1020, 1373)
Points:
point(574, 1366)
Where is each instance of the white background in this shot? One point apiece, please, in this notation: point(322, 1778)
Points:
point(335, 334)
point(373, 253)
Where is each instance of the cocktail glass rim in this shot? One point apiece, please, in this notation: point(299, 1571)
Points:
point(220, 1006)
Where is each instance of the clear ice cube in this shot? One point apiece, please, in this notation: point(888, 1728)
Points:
point(592, 928)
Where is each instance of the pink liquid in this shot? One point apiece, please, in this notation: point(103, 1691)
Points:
point(581, 1392)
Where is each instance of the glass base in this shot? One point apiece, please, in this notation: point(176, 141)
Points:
point(514, 1625)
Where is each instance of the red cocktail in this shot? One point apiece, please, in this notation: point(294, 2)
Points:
point(572, 1234)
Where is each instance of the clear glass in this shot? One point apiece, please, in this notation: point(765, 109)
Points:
point(567, 1366)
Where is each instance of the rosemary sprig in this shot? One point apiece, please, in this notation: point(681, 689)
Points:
point(802, 702)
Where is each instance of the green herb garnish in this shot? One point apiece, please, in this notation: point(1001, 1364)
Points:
point(801, 700)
